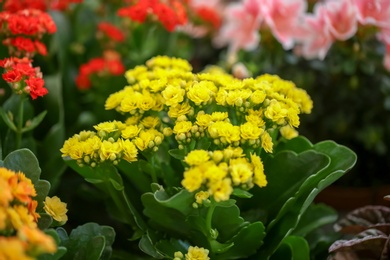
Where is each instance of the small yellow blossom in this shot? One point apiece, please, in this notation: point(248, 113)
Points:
point(197, 157)
point(266, 142)
point(221, 189)
point(201, 196)
point(288, 132)
point(130, 131)
point(197, 253)
point(240, 171)
point(173, 95)
point(193, 179)
point(56, 209)
point(259, 177)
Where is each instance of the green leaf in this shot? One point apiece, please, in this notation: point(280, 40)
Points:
point(316, 216)
point(44, 221)
point(178, 154)
point(34, 122)
point(294, 248)
point(8, 121)
point(245, 243)
point(310, 171)
point(146, 245)
point(241, 193)
point(89, 241)
point(42, 188)
point(25, 161)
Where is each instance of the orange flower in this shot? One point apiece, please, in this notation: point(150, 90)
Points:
point(12, 249)
point(38, 241)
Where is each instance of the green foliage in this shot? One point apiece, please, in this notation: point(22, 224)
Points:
point(234, 229)
point(89, 241)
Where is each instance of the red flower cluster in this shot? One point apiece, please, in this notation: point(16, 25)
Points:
point(111, 31)
point(209, 15)
point(43, 5)
point(109, 64)
point(24, 29)
point(23, 77)
point(170, 15)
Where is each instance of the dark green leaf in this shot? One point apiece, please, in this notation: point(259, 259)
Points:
point(316, 216)
point(89, 240)
point(241, 193)
point(44, 221)
point(25, 161)
point(294, 248)
point(178, 154)
point(42, 188)
point(9, 122)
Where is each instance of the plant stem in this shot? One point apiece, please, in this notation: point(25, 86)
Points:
point(209, 216)
point(20, 123)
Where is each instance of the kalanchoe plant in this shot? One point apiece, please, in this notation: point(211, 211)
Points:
point(367, 234)
point(207, 164)
point(30, 223)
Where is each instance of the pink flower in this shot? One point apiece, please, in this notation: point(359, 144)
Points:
point(340, 16)
point(374, 12)
point(283, 18)
point(314, 37)
point(241, 28)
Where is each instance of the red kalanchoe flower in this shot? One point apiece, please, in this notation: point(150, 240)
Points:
point(109, 64)
point(170, 15)
point(23, 77)
point(209, 15)
point(17, 5)
point(12, 76)
point(35, 87)
point(24, 29)
point(111, 31)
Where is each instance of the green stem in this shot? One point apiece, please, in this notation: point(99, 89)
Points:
point(20, 124)
point(209, 217)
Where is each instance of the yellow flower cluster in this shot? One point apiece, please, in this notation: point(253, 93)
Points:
point(225, 109)
point(20, 237)
point(164, 97)
point(194, 253)
point(115, 140)
point(221, 170)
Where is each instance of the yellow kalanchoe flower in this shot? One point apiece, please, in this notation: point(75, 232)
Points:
point(210, 108)
point(197, 253)
point(56, 209)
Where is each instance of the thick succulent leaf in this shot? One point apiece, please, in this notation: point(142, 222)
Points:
point(89, 241)
point(286, 172)
point(368, 244)
point(245, 242)
point(106, 177)
point(298, 144)
point(294, 248)
point(25, 161)
point(371, 216)
point(168, 213)
point(336, 160)
point(316, 216)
